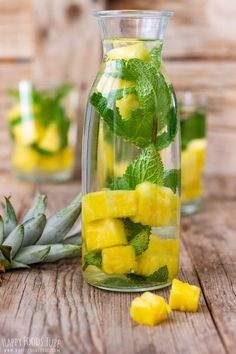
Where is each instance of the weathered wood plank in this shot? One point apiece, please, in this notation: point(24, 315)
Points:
point(16, 30)
point(210, 241)
point(198, 29)
point(83, 319)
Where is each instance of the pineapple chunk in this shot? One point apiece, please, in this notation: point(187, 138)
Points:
point(104, 233)
point(51, 139)
point(27, 132)
point(137, 50)
point(119, 260)
point(106, 84)
point(149, 309)
point(59, 162)
point(25, 159)
point(193, 160)
point(67, 158)
point(109, 204)
point(157, 206)
point(184, 297)
point(126, 104)
point(158, 254)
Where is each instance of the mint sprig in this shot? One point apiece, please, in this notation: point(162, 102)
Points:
point(133, 228)
point(172, 179)
point(147, 167)
point(91, 258)
point(140, 241)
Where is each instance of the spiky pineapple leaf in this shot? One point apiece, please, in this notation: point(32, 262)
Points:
point(33, 229)
point(38, 207)
point(10, 221)
point(59, 224)
point(1, 230)
point(14, 240)
point(32, 254)
point(74, 239)
point(60, 251)
point(5, 253)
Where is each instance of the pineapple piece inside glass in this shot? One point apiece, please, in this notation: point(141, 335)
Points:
point(160, 253)
point(157, 206)
point(104, 233)
point(119, 260)
point(184, 297)
point(137, 50)
point(149, 309)
point(109, 204)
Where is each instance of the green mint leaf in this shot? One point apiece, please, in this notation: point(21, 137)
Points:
point(137, 129)
point(133, 228)
point(92, 259)
point(140, 241)
point(192, 127)
point(164, 139)
point(118, 69)
point(147, 167)
point(172, 179)
point(155, 56)
point(160, 275)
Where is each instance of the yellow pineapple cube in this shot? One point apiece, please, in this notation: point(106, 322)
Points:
point(104, 233)
point(109, 204)
point(137, 50)
point(126, 104)
point(149, 309)
point(184, 297)
point(159, 253)
point(119, 260)
point(107, 84)
point(25, 159)
point(51, 139)
point(27, 132)
point(157, 206)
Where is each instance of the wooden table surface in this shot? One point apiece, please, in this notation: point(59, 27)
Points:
point(51, 308)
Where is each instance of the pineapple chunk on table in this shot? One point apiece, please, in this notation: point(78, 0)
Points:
point(184, 297)
point(160, 253)
point(137, 51)
point(109, 204)
point(119, 260)
point(157, 205)
point(104, 233)
point(149, 309)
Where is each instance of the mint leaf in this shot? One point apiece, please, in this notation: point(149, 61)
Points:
point(92, 259)
point(140, 241)
point(193, 127)
point(159, 276)
point(147, 167)
point(135, 280)
point(172, 179)
point(133, 228)
point(168, 136)
point(137, 129)
point(155, 56)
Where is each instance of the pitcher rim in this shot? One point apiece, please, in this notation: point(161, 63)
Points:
point(133, 13)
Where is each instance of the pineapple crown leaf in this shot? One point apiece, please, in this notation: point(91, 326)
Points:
point(10, 220)
point(38, 239)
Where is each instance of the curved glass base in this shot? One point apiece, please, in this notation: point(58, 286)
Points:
point(62, 176)
point(191, 207)
point(134, 289)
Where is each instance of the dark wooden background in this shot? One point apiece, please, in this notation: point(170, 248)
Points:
point(58, 40)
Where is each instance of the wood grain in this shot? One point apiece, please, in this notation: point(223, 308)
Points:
point(16, 30)
point(52, 301)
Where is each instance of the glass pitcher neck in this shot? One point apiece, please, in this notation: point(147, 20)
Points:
point(132, 24)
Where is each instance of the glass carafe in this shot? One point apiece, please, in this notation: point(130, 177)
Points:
point(131, 167)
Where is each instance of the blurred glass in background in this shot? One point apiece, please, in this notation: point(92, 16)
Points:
point(193, 115)
point(42, 125)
